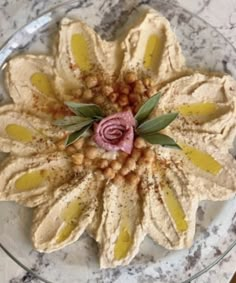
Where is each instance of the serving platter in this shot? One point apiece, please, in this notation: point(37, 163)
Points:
point(215, 235)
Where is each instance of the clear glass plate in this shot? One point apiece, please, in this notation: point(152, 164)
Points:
point(215, 235)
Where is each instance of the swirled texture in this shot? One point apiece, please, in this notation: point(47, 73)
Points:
point(116, 132)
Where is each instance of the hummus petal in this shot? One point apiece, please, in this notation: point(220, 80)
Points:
point(24, 134)
point(95, 223)
point(31, 180)
point(206, 106)
point(30, 82)
point(62, 220)
point(152, 49)
point(81, 50)
point(120, 232)
point(205, 129)
point(213, 166)
point(169, 204)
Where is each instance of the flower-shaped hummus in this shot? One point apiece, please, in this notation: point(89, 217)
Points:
point(117, 197)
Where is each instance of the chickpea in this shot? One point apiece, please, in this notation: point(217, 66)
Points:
point(113, 96)
point(124, 171)
point(134, 98)
point(152, 83)
point(149, 156)
point(132, 179)
point(142, 163)
point(122, 156)
point(87, 163)
point(91, 142)
point(139, 143)
point(119, 180)
point(124, 89)
point(130, 77)
point(131, 164)
point(147, 82)
point(123, 100)
point(91, 81)
point(136, 153)
point(103, 164)
point(99, 99)
point(149, 153)
point(79, 144)
point(139, 87)
point(109, 173)
point(140, 169)
point(70, 149)
point(78, 158)
point(151, 92)
point(100, 76)
point(116, 165)
point(107, 90)
point(109, 155)
point(91, 152)
point(88, 94)
point(61, 145)
point(127, 108)
point(135, 107)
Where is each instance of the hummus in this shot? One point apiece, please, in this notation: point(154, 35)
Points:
point(31, 180)
point(118, 197)
point(81, 50)
point(66, 215)
point(169, 204)
point(206, 106)
point(24, 134)
point(152, 49)
point(32, 86)
point(120, 232)
point(206, 123)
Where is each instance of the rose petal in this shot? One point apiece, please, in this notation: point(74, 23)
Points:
point(113, 131)
point(116, 132)
point(126, 144)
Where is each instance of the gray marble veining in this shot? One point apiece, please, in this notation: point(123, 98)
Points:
point(13, 15)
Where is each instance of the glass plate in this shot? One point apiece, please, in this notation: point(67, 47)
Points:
point(204, 48)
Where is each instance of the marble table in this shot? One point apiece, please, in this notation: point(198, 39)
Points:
point(219, 13)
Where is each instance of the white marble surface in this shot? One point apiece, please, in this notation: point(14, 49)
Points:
point(219, 13)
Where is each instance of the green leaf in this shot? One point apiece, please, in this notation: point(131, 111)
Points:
point(70, 120)
point(77, 127)
point(85, 110)
point(147, 108)
point(156, 124)
point(157, 138)
point(76, 135)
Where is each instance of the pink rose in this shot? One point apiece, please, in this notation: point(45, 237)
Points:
point(116, 132)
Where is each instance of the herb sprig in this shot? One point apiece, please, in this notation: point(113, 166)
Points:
point(149, 130)
point(86, 115)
